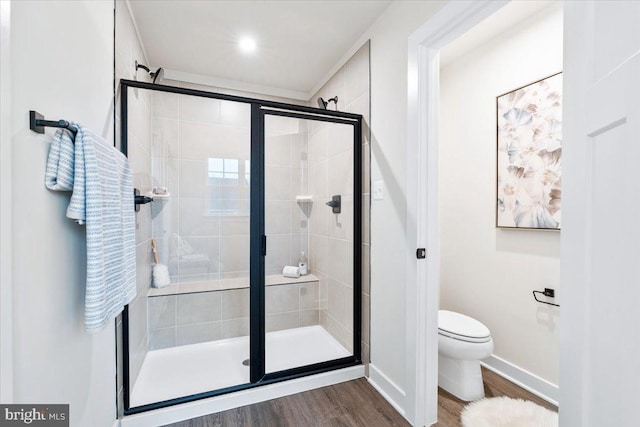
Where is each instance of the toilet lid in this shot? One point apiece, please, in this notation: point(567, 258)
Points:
point(461, 327)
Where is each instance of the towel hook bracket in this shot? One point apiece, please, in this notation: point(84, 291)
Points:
point(37, 123)
point(34, 119)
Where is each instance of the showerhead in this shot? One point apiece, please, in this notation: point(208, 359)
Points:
point(158, 74)
point(155, 75)
point(323, 104)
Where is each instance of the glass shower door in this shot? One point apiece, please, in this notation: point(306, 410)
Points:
point(309, 228)
point(255, 218)
point(192, 155)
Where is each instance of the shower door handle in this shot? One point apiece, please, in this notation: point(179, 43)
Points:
point(264, 245)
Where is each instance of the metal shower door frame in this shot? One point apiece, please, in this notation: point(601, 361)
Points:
point(260, 109)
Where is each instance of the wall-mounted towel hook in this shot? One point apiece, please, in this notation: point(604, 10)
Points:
point(548, 292)
point(37, 123)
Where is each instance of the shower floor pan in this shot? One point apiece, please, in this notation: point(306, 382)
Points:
point(190, 369)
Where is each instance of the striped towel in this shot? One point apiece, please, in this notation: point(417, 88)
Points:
point(102, 198)
point(59, 174)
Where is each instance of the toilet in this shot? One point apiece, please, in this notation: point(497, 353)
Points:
point(462, 343)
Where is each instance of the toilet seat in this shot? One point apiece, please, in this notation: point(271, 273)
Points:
point(462, 328)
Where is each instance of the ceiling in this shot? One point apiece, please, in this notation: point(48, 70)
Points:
point(507, 17)
point(298, 42)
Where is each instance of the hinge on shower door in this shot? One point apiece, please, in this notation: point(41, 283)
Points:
point(421, 253)
point(264, 245)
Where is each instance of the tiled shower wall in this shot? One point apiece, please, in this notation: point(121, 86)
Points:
point(331, 173)
point(286, 176)
point(196, 239)
point(197, 317)
point(352, 86)
point(299, 161)
point(192, 318)
point(203, 246)
point(128, 50)
point(195, 242)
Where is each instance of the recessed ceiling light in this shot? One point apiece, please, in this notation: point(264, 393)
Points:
point(247, 45)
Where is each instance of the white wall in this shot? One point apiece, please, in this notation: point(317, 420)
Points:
point(63, 67)
point(489, 273)
point(389, 41)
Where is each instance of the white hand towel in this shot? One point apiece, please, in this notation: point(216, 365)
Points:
point(290, 271)
point(102, 198)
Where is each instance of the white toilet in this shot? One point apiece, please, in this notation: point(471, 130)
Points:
point(462, 343)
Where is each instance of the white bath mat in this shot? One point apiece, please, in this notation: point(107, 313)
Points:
point(507, 412)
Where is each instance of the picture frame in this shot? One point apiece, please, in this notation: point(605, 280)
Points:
point(529, 156)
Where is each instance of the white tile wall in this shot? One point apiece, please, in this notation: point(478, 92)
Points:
point(286, 176)
point(234, 253)
point(331, 172)
point(166, 173)
point(278, 253)
point(205, 316)
point(301, 159)
point(199, 141)
point(199, 110)
point(166, 105)
point(203, 244)
point(197, 245)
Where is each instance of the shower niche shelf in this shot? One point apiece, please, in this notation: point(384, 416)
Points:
point(156, 196)
point(160, 196)
point(304, 199)
point(226, 285)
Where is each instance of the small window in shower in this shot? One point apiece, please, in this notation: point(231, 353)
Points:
point(228, 182)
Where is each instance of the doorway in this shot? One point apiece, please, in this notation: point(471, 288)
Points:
point(423, 217)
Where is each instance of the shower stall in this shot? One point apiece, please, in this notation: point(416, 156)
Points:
point(241, 188)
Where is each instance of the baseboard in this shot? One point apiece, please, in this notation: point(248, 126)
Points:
point(216, 404)
point(525, 379)
point(387, 388)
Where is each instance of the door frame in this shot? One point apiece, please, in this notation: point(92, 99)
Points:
point(259, 109)
point(6, 282)
point(422, 294)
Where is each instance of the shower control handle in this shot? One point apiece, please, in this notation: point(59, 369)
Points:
point(335, 204)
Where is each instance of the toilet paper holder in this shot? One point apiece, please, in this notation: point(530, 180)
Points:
point(548, 292)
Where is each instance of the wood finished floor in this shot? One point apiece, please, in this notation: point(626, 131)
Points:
point(450, 407)
point(350, 404)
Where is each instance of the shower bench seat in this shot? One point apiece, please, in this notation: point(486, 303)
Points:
point(226, 284)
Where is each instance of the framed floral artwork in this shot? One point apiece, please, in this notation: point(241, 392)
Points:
point(529, 157)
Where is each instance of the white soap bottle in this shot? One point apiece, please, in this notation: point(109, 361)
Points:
point(302, 264)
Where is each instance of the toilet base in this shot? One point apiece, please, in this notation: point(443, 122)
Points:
point(462, 378)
